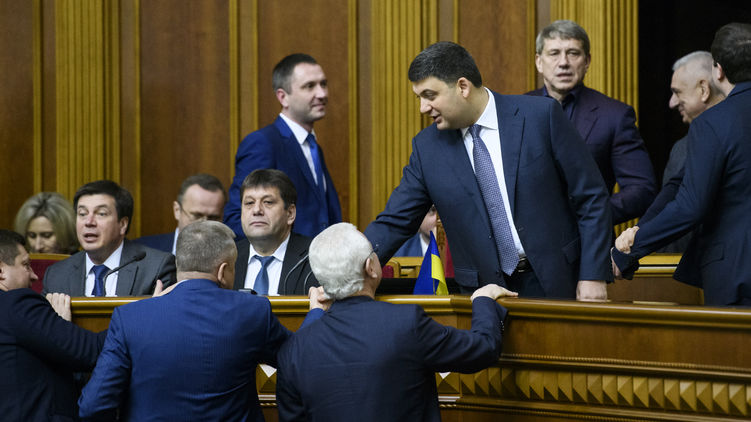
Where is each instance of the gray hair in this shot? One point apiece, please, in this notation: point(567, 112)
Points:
point(565, 30)
point(337, 258)
point(699, 65)
point(203, 246)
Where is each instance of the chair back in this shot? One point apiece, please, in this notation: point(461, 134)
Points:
point(39, 263)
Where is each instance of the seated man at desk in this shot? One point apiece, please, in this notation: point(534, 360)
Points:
point(374, 359)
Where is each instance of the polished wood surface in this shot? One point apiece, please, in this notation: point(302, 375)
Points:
point(566, 360)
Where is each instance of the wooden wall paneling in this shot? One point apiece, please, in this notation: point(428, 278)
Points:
point(185, 100)
point(47, 98)
point(17, 107)
point(321, 29)
point(365, 165)
point(498, 34)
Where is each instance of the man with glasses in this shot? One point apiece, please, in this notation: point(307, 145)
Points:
point(201, 197)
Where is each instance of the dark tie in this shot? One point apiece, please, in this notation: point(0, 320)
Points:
point(491, 194)
point(99, 272)
point(261, 285)
point(315, 154)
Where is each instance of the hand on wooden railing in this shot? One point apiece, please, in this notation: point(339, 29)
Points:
point(493, 291)
point(61, 304)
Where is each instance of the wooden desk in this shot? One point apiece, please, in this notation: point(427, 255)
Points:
point(566, 360)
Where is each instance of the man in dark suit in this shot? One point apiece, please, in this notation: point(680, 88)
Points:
point(39, 350)
point(290, 145)
point(104, 211)
point(418, 244)
point(191, 353)
point(272, 260)
point(607, 125)
point(519, 196)
point(201, 197)
point(715, 191)
point(374, 361)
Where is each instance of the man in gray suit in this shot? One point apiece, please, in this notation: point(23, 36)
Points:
point(109, 265)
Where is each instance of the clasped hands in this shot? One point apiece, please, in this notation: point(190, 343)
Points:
point(623, 243)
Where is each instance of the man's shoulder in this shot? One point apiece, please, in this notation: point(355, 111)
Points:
point(271, 132)
point(162, 242)
point(589, 96)
point(132, 248)
point(67, 264)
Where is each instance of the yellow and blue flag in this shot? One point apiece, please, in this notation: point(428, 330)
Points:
point(431, 280)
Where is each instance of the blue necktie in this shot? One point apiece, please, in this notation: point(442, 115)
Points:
point(99, 272)
point(316, 156)
point(261, 285)
point(491, 194)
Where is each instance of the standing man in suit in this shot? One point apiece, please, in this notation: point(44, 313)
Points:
point(418, 244)
point(607, 125)
point(104, 211)
point(715, 191)
point(201, 197)
point(290, 145)
point(272, 260)
point(372, 360)
point(191, 353)
point(39, 350)
point(519, 196)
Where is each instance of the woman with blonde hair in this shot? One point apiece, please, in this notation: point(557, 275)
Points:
point(48, 223)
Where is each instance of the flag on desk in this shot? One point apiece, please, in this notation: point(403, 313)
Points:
point(431, 280)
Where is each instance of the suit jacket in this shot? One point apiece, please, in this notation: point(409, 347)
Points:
point(412, 247)
point(275, 146)
point(378, 361)
point(609, 129)
point(137, 279)
point(715, 192)
point(296, 276)
point(161, 242)
point(39, 351)
point(558, 200)
point(189, 354)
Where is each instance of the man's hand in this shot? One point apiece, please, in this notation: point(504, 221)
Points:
point(61, 304)
point(493, 291)
point(616, 271)
point(319, 299)
point(159, 289)
point(591, 291)
point(626, 239)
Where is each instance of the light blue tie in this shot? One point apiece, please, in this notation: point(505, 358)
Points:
point(491, 194)
point(261, 285)
point(315, 154)
point(99, 272)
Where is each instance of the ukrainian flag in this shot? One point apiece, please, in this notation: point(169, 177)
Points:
point(431, 280)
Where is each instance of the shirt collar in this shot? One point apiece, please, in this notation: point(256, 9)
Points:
point(278, 253)
point(112, 261)
point(574, 93)
point(300, 133)
point(489, 117)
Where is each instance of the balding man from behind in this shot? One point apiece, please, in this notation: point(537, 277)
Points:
point(372, 360)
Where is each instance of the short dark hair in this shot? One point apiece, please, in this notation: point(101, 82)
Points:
point(446, 61)
point(271, 178)
point(565, 30)
point(123, 199)
point(731, 48)
point(9, 241)
point(203, 246)
point(280, 77)
point(206, 181)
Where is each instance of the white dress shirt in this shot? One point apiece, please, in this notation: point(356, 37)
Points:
point(110, 284)
point(274, 269)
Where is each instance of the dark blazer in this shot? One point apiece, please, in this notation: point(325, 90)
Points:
point(39, 351)
point(161, 242)
point(190, 354)
point(275, 147)
point(376, 361)
point(609, 129)
point(412, 247)
point(137, 279)
point(296, 276)
point(557, 197)
point(715, 191)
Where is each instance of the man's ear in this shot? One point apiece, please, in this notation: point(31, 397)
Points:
point(124, 225)
point(705, 90)
point(281, 96)
point(221, 273)
point(464, 86)
point(291, 214)
point(176, 210)
point(370, 269)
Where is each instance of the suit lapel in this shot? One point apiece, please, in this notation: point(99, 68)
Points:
point(295, 252)
point(292, 146)
point(453, 146)
point(78, 287)
point(510, 130)
point(241, 265)
point(126, 277)
point(585, 118)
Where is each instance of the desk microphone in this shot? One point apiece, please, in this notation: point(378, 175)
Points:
point(283, 286)
point(137, 257)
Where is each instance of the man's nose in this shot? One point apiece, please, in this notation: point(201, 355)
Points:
point(673, 103)
point(424, 106)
